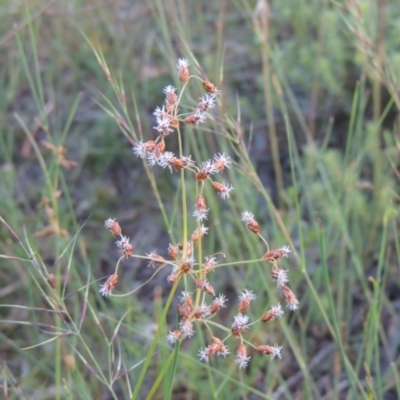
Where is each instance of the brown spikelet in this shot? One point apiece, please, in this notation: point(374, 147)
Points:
point(209, 87)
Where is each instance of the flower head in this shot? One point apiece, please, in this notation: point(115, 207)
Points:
point(163, 125)
point(125, 246)
point(210, 263)
point(198, 117)
point(218, 303)
point(277, 254)
point(290, 298)
point(240, 324)
point(183, 71)
point(140, 149)
point(245, 298)
point(155, 259)
point(221, 161)
point(107, 288)
point(187, 328)
point(241, 356)
point(210, 87)
point(270, 315)
point(204, 286)
point(186, 298)
point(273, 351)
point(223, 189)
point(172, 337)
point(171, 98)
point(199, 233)
point(206, 169)
point(251, 223)
point(113, 226)
point(280, 276)
point(203, 355)
point(206, 103)
point(173, 251)
point(202, 311)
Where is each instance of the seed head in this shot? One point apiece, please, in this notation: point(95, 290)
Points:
point(156, 259)
point(189, 247)
point(251, 223)
point(140, 149)
point(196, 118)
point(201, 214)
point(244, 300)
point(173, 251)
point(223, 189)
point(200, 203)
point(172, 337)
point(204, 286)
point(210, 87)
point(187, 328)
point(159, 149)
point(187, 265)
point(240, 324)
point(113, 226)
point(185, 311)
point(217, 347)
point(206, 103)
point(183, 71)
point(276, 255)
point(241, 356)
point(218, 303)
point(221, 161)
point(280, 276)
point(125, 246)
point(270, 315)
point(290, 298)
point(202, 312)
point(207, 168)
point(210, 263)
point(186, 298)
point(171, 98)
point(163, 126)
point(107, 288)
point(199, 233)
point(273, 351)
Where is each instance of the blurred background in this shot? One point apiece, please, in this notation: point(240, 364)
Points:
point(309, 114)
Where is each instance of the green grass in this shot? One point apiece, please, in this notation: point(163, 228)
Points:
point(308, 113)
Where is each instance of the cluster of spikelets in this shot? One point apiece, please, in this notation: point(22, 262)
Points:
point(196, 309)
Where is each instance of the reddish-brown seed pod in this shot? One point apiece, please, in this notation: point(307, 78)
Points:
point(176, 163)
point(191, 119)
point(173, 251)
point(209, 87)
point(170, 99)
point(219, 187)
point(200, 203)
point(202, 176)
point(183, 71)
point(243, 305)
point(204, 286)
point(290, 298)
point(253, 226)
point(184, 310)
point(128, 250)
point(107, 288)
point(159, 149)
point(115, 228)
